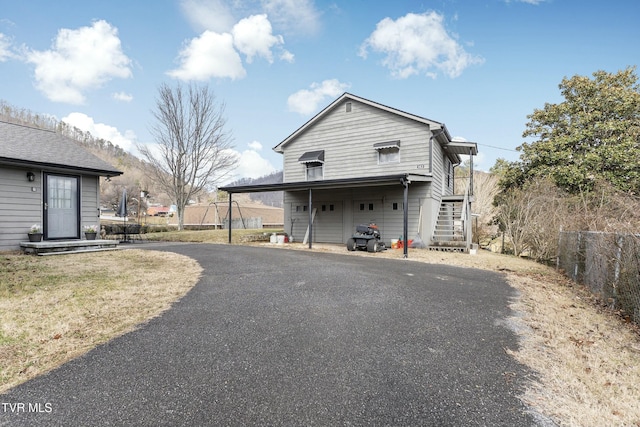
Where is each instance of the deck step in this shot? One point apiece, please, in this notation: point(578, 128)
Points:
point(67, 246)
point(79, 251)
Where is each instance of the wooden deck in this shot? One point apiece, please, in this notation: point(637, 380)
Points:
point(59, 247)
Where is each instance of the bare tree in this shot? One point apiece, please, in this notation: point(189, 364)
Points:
point(514, 214)
point(193, 148)
point(531, 218)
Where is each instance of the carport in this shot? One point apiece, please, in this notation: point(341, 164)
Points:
point(384, 180)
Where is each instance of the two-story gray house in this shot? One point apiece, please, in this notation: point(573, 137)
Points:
point(359, 162)
point(48, 180)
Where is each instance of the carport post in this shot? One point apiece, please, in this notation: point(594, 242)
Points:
point(310, 219)
point(230, 211)
point(405, 225)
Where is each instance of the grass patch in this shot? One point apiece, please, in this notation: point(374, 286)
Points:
point(76, 302)
point(210, 236)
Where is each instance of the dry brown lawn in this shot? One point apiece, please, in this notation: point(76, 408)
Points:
point(586, 359)
point(53, 309)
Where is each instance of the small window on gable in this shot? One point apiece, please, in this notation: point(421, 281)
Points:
point(394, 206)
point(361, 206)
point(331, 208)
point(388, 152)
point(347, 107)
point(370, 206)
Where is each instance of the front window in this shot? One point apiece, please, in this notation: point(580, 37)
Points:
point(388, 152)
point(313, 161)
point(314, 171)
point(389, 155)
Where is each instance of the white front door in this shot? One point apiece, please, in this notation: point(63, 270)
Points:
point(61, 206)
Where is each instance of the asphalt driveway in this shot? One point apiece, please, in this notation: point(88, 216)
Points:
point(278, 337)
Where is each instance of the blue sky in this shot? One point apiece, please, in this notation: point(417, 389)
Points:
point(479, 66)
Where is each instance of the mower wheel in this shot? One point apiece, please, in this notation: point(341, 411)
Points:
point(351, 245)
point(372, 245)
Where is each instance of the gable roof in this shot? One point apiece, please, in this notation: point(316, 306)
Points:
point(433, 125)
point(28, 146)
point(452, 147)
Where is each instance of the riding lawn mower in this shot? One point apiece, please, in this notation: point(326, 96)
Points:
point(366, 237)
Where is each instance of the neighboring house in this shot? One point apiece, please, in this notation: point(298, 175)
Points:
point(158, 210)
point(359, 162)
point(49, 180)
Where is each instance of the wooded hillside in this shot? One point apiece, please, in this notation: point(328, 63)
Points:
point(136, 175)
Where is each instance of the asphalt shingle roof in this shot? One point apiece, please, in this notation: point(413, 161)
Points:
point(20, 144)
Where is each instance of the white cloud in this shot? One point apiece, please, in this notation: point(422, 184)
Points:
point(122, 96)
point(255, 145)
point(253, 37)
point(294, 16)
point(252, 165)
point(418, 43)
point(212, 15)
point(5, 48)
point(210, 55)
point(307, 101)
point(101, 130)
point(79, 60)
point(287, 56)
point(216, 54)
point(298, 16)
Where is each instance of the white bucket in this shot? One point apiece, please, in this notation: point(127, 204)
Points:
point(280, 239)
point(273, 238)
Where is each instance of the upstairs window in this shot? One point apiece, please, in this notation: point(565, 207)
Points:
point(314, 171)
point(388, 152)
point(313, 162)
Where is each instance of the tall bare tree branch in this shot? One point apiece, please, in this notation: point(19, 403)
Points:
point(193, 149)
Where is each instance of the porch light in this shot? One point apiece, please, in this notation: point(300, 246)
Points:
point(31, 176)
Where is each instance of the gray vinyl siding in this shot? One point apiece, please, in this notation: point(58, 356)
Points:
point(20, 207)
point(89, 199)
point(347, 139)
point(338, 225)
point(327, 225)
point(438, 171)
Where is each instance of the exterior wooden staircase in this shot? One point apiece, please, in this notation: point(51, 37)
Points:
point(452, 231)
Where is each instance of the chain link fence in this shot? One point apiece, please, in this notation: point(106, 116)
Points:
point(607, 263)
